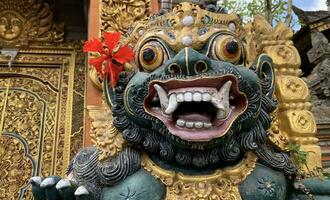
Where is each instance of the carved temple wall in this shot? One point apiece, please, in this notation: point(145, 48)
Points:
point(42, 96)
point(312, 41)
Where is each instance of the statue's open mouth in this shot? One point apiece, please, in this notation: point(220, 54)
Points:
point(199, 109)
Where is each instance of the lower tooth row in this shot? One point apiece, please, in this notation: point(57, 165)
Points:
point(183, 123)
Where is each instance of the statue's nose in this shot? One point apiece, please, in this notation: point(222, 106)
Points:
point(188, 62)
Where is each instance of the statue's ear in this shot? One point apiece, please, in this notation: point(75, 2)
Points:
point(264, 68)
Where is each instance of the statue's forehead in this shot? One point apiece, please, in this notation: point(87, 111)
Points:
point(187, 25)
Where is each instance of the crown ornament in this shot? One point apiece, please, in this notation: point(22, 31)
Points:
point(187, 25)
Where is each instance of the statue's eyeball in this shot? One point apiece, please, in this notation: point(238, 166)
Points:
point(231, 48)
point(151, 56)
point(227, 49)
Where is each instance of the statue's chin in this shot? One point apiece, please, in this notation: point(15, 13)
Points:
point(196, 110)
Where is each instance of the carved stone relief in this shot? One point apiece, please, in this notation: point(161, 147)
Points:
point(38, 96)
point(319, 83)
point(26, 21)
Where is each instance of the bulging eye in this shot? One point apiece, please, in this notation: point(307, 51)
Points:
point(228, 49)
point(151, 56)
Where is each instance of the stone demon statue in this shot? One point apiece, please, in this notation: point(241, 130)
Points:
point(196, 115)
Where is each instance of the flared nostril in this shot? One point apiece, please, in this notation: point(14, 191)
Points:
point(174, 69)
point(200, 67)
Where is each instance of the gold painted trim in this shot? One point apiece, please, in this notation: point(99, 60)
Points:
point(4, 107)
point(221, 182)
point(68, 114)
point(187, 60)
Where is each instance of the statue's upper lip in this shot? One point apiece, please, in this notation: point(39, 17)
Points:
point(198, 109)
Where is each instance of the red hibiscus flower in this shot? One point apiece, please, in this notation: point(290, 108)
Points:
point(114, 60)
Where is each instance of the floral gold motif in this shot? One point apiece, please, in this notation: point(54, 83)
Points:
point(298, 122)
point(291, 89)
point(16, 166)
point(284, 54)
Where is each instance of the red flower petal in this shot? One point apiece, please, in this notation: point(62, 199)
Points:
point(113, 72)
point(97, 63)
point(124, 54)
point(94, 45)
point(111, 40)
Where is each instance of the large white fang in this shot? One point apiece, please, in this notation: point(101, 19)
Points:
point(221, 100)
point(172, 106)
point(162, 94)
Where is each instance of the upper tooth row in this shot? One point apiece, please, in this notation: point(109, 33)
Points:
point(220, 99)
point(192, 96)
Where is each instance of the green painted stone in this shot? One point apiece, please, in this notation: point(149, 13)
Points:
point(316, 186)
point(305, 197)
point(139, 186)
point(264, 183)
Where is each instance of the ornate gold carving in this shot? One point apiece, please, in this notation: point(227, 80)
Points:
point(25, 21)
point(292, 122)
point(279, 137)
point(38, 109)
point(16, 166)
point(291, 89)
point(284, 54)
point(119, 15)
point(105, 136)
point(78, 108)
point(221, 185)
point(298, 123)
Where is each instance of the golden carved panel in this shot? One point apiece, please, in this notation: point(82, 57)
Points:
point(119, 15)
point(298, 122)
point(39, 132)
point(284, 54)
point(291, 89)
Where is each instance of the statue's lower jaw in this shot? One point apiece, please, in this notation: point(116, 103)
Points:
point(196, 110)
